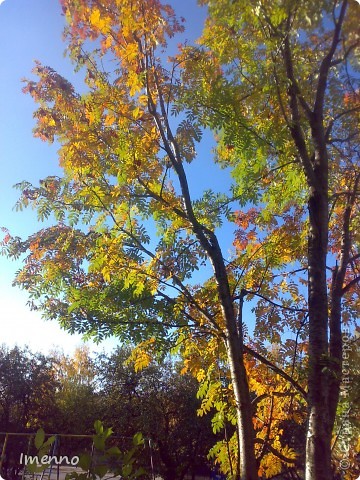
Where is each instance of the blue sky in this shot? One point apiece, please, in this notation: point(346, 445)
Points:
point(29, 30)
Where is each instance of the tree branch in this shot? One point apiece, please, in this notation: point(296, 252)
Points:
point(277, 453)
point(276, 369)
point(283, 307)
point(326, 63)
point(337, 117)
point(347, 287)
point(295, 126)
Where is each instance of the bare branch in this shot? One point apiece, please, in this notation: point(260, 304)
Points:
point(326, 63)
point(346, 54)
point(272, 394)
point(337, 117)
point(283, 307)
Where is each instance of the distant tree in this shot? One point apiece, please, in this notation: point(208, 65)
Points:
point(27, 389)
point(76, 398)
point(27, 400)
point(162, 404)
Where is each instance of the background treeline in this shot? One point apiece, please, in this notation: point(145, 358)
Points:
point(66, 394)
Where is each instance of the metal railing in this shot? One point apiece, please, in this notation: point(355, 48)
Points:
point(50, 472)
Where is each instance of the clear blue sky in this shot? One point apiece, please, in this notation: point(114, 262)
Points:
point(29, 30)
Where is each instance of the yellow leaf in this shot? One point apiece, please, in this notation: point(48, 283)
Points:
point(142, 360)
point(98, 22)
point(141, 356)
point(90, 116)
point(134, 83)
point(95, 17)
point(136, 113)
point(106, 43)
point(109, 120)
point(106, 275)
point(143, 99)
point(132, 51)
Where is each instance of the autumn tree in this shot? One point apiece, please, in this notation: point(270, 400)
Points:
point(160, 403)
point(27, 400)
point(27, 389)
point(277, 85)
point(127, 275)
point(77, 400)
point(286, 109)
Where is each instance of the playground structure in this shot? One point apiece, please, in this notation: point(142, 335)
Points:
point(16, 448)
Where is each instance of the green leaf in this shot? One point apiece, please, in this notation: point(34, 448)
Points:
point(99, 443)
point(113, 451)
point(84, 462)
point(126, 470)
point(49, 441)
point(39, 438)
point(138, 439)
point(107, 432)
point(98, 426)
point(101, 470)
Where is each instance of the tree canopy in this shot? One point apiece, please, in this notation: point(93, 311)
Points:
point(67, 394)
point(278, 86)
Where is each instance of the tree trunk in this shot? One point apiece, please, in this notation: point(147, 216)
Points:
point(318, 442)
point(248, 470)
point(324, 356)
point(235, 351)
point(233, 338)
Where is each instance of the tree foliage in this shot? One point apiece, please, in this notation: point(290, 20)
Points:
point(278, 86)
point(28, 387)
point(27, 400)
point(160, 403)
point(287, 122)
point(77, 399)
point(66, 394)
